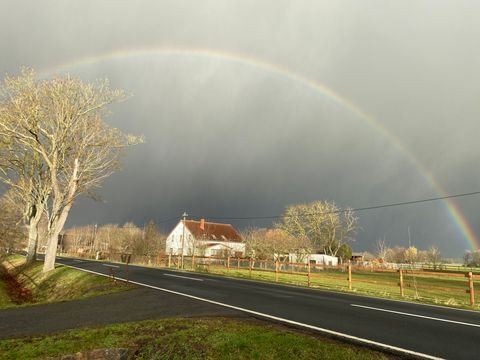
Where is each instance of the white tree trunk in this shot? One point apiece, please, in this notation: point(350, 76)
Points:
point(33, 236)
point(55, 229)
point(32, 242)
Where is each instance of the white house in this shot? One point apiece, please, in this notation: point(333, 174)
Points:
point(202, 238)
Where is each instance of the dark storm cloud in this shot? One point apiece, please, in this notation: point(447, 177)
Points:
point(225, 139)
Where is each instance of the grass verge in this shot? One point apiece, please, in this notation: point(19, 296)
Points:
point(181, 338)
point(445, 291)
point(61, 284)
point(4, 297)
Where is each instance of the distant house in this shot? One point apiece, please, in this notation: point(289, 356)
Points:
point(202, 238)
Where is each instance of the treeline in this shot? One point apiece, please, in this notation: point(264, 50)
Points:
point(114, 239)
point(410, 255)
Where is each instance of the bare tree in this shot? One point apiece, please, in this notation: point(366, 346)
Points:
point(434, 256)
point(382, 249)
point(22, 169)
point(325, 225)
point(256, 247)
point(11, 233)
point(68, 133)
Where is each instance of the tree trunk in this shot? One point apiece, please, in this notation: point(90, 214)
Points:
point(55, 228)
point(51, 252)
point(33, 236)
point(32, 242)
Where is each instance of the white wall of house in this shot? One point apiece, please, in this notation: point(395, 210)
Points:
point(174, 241)
point(324, 259)
point(218, 248)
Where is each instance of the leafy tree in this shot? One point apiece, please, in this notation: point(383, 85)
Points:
point(411, 254)
point(344, 252)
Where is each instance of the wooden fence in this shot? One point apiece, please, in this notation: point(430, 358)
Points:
point(440, 287)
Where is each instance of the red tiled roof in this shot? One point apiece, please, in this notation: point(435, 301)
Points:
point(213, 231)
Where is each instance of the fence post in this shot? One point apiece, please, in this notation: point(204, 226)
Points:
point(238, 263)
point(349, 276)
point(250, 267)
point(308, 275)
point(402, 291)
point(193, 262)
point(228, 263)
point(471, 290)
point(169, 260)
point(276, 270)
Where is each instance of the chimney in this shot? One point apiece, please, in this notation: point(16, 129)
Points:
point(202, 224)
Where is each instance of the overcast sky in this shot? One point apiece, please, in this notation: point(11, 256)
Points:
point(229, 138)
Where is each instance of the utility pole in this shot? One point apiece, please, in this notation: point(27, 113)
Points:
point(184, 215)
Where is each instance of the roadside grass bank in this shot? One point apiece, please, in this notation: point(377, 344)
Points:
point(190, 338)
point(22, 285)
point(5, 300)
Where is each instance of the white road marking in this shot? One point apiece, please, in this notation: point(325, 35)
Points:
point(113, 266)
point(183, 277)
point(416, 315)
point(326, 331)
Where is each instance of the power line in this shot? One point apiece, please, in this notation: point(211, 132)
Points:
point(403, 203)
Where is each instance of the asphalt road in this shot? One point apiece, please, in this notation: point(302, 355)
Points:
point(149, 304)
point(433, 331)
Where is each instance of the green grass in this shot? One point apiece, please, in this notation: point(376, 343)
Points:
point(61, 284)
point(431, 289)
point(219, 338)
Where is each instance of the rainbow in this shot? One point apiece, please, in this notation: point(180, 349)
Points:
point(275, 69)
